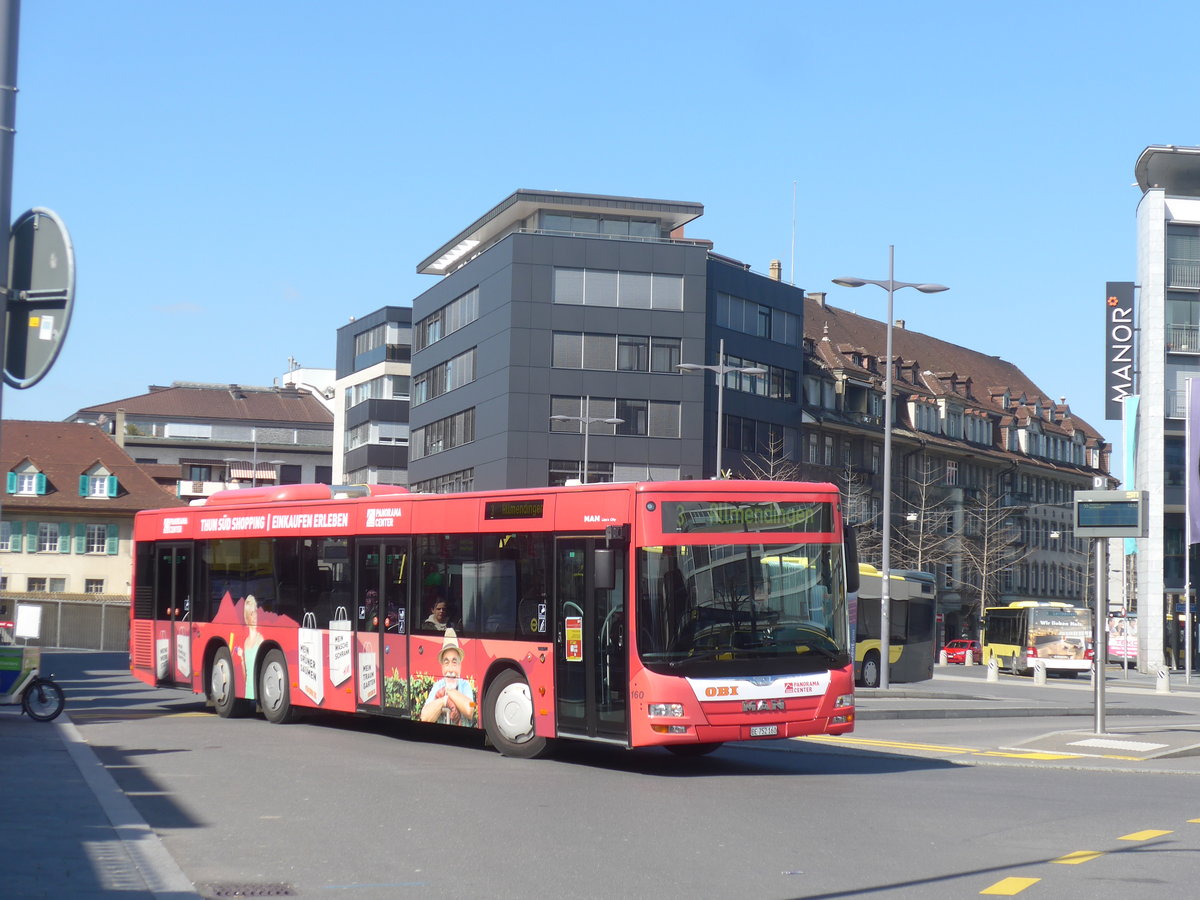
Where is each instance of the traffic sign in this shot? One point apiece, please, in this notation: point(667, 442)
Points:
point(41, 292)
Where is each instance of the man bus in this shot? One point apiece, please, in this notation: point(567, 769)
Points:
point(679, 614)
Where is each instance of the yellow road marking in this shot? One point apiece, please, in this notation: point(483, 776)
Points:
point(1193, 821)
point(1079, 856)
point(938, 748)
point(1144, 835)
point(1009, 887)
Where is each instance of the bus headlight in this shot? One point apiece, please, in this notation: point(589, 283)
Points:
point(844, 700)
point(673, 710)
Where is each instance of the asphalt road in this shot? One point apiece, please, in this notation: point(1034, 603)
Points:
point(336, 807)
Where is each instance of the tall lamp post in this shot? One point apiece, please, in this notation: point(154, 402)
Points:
point(722, 370)
point(587, 420)
point(885, 593)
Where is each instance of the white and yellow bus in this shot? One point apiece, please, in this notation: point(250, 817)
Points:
point(913, 610)
point(1025, 632)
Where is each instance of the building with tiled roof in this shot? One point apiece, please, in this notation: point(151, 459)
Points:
point(971, 432)
point(70, 497)
point(216, 436)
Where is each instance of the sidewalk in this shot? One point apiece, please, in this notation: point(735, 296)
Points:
point(67, 829)
point(1142, 722)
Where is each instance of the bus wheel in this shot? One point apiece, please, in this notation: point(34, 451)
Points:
point(693, 749)
point(508, 717)
point(222, 689)
point(273, 694)
point(870, 670)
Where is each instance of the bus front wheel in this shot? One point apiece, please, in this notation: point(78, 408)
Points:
point(222, 689)
point(870, 670)
point(508, 717)
point(274, 695)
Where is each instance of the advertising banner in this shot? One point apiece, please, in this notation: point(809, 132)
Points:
point(1118, 339)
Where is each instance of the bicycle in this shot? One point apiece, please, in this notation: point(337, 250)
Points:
point(20, 683)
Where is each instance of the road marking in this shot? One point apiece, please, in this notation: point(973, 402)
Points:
point(1079, 856)
point(1009, 887)
point(1193, 821)
point(1137, 746)
point(938, 748)
point(1144, 835)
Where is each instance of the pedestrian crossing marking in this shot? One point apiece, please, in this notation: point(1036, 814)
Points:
point(1143, 835)
point(1010, 887)
point(1079, 856)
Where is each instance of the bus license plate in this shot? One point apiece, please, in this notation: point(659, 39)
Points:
point(763, 730)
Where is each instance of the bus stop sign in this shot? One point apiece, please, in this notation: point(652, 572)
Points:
point(41, 292)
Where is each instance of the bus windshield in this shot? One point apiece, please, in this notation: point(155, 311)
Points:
point(731, 609)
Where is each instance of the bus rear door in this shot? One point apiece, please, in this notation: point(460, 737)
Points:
point(591, 675)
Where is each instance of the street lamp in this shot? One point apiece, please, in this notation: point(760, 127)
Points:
point(885, 599)
point(722, 370)
point(586, 420)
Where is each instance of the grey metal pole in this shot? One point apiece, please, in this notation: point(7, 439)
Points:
point(885, 569)
point(10, 28)
point(720, 370)
point(1099, 650)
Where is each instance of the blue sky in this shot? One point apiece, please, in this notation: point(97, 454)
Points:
point(239, 179)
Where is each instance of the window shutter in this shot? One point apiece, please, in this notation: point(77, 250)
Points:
point(12, 482)
point(112, 485)
point(40, 481)
point(113, 544)
point(64, 537)
point(80, 537)
point(14, 543)
point(31, 538)
point(83, 485)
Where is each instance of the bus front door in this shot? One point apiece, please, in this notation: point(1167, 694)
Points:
point(591, 676)
point(173, 613)
point(381, 629)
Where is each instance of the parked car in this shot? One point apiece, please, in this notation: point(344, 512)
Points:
point(956, 651)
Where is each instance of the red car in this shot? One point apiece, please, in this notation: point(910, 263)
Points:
point(956, 651)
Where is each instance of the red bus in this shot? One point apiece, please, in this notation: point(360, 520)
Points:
point(681, 614)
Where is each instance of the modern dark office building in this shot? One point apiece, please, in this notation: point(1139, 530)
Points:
point(557, 332)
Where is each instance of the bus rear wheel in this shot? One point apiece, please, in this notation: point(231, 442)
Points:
point(274, 695)
point(222, 688)
point(870, 669)
point(508, 717)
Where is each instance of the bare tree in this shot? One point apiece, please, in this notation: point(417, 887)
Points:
point(858, 511)
point(990, 544)
point(925, 541)
point(775, 464)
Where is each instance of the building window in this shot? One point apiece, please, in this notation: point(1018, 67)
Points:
point(97, 539)
point(455, 482)
point(951, 472)
point(827, 458)
point(564, 470)
point(749, 317)
point(629, 290)
point(93, 585)
point(199, 473)
point(98, 485)
point(27, 483)
point(6, 536)
point(444, 434)
point(57, 585)
point(447, 376)
point(642, 418)
point(458, 313)
point(36, 585)
point(49, 535)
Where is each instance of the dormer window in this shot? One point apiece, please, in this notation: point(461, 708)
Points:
point(27, 481)
point(98, 483)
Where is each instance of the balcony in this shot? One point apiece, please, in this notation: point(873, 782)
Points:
point(1183, 339)
point(1183, 274)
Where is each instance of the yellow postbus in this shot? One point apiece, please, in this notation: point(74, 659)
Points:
point(1027, 631)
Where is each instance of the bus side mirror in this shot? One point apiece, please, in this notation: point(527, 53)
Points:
point(850, 552)
point(604, 569)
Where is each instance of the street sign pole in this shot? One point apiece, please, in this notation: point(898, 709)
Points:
point(10, 22)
